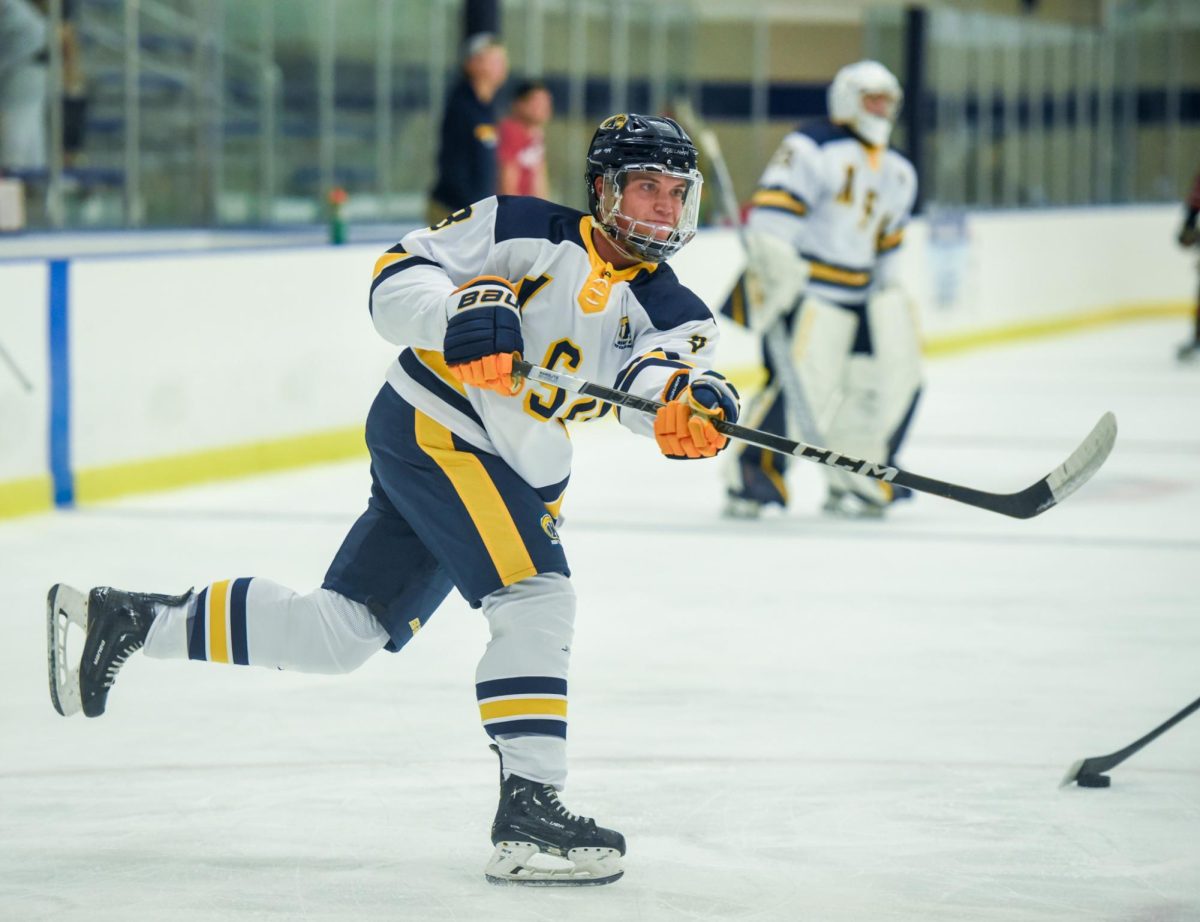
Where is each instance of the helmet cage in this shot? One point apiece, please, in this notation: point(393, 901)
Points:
point(638, 238)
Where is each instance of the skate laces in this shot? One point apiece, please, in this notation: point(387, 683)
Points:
point(552, 796)
point(110, 674)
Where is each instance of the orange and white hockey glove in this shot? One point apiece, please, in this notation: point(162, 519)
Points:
point(483, 330)
point(683, 427)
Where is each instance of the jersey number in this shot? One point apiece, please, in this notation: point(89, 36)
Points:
point(454, 217)
point(569, 355)
point(846, 197)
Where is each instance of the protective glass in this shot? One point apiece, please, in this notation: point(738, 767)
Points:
point(650, 211)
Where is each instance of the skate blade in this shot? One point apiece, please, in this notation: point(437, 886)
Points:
point(524, 864)
point(64, 606)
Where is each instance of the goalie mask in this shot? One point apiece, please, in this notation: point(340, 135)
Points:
point(648, 200)
point(848, 105)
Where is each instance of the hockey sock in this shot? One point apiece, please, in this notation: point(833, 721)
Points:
point(521, 681)
point(253, 621)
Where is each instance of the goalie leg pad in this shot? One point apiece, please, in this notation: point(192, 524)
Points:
point(857, 431)
point(896, 346)
point(821, 341)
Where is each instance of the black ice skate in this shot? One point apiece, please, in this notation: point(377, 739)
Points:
point(115, 625)
point(541, 843)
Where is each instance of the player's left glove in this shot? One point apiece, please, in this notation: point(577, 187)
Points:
point(683, 427)
point(483, 330)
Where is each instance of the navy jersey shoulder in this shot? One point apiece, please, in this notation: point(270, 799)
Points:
point(666, 301)
point(524, 217)
point(823, 131)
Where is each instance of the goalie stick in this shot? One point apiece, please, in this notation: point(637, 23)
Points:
point(1089, 773)
point(775, 339)
point(1025, 504)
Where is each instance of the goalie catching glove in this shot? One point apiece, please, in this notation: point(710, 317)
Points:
point(483, 330)
point(683, 428)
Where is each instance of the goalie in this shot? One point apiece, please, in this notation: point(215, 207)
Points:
point(827, 218)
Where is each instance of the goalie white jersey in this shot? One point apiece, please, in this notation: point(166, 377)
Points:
point(635, 329)
point(842, 205)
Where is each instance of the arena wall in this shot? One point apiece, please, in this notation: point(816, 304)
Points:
point(143, 372)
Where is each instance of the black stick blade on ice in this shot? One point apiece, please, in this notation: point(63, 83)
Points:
point(1089, 773)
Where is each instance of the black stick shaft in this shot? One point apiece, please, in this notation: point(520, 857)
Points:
point(1097, 764)
point(1025, 504)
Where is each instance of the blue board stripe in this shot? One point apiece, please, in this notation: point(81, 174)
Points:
point(60, 383)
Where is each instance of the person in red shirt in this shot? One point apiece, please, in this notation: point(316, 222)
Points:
point(522, 152)
point(1189, 236)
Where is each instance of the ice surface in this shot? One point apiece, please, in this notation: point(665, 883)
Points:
point(790, 719)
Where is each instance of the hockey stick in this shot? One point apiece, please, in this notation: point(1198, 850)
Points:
point(1089, 773)
point(776, 338)
point(1037, 498)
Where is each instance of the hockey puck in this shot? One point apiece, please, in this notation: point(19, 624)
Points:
point(1093, 781)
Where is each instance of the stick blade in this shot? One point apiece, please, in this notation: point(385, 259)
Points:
point(1084, 461)
point(1072, 773)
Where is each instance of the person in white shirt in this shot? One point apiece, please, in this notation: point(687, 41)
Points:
point(469, 466)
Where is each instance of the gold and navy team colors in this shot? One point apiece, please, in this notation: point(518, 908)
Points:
point(523, 705)
point(842, 204)
point(467, 483)
point(216, 629)
point(579, 314)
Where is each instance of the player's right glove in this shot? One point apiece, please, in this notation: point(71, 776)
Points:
point(683, 427)
point(483, 330)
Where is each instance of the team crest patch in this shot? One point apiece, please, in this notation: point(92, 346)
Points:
point(549, 529)
point(624, 338)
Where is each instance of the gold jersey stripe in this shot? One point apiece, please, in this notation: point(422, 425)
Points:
point(891, 241)
point(387, 259)
point(436, 363)
point(218, 627)
point(778, 198)
point(482, 500)
point(519, 707)
point(825, 273)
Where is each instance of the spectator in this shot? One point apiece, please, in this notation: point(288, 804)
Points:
point(523, 142)
point(23, 74)
point(74, 88)
point(466, 165)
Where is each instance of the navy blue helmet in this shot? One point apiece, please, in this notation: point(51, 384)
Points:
point(646, 143)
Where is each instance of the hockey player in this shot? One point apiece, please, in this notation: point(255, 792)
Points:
point(469, 465)
point(1189, 236)
point(829, 213)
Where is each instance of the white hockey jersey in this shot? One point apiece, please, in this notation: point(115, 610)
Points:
point(842, 204)
point(635, 329)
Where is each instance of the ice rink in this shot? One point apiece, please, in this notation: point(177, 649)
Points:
point(790, 719)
